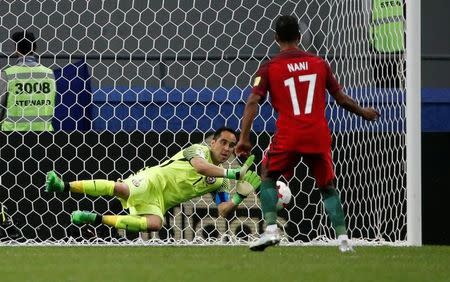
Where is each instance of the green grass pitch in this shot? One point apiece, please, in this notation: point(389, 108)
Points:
point(164, 263)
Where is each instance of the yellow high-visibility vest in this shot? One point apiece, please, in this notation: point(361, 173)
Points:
point(388, 26)
point(30, 103)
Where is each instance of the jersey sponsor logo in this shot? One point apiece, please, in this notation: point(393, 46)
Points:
point(257, 81)
point(210, 180)
point(136, 181)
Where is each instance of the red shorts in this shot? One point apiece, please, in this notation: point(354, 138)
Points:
point(279, 161)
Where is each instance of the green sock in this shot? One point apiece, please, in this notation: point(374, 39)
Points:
point(131, 223)
point(269, 199)
point(334, 210)
point(98, 187)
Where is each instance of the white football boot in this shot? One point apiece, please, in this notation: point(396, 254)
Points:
point(345, 245)
point(268, 238)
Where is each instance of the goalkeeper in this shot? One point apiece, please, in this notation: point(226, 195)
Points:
point(148, 194)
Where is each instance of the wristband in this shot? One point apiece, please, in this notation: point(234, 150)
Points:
point(232, 174)
point(237, 199)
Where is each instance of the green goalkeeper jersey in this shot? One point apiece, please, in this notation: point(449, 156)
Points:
point(179, 181)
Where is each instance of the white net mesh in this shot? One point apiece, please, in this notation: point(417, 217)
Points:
point(139, 80)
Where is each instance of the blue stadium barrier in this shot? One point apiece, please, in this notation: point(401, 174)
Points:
point(151, 109)
point(435, 110)
point(161, 109)
point(73, 87)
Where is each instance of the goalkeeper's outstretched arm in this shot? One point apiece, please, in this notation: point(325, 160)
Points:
point(226, 208)
point(244, 187)
point(205, 168)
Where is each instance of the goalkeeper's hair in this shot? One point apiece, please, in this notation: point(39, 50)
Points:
point(25, 41)
point(287, 29)
point(219, 131)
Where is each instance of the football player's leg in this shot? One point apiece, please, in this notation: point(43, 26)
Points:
point(322, 169)
point(333, 208)
point(133, 223)
point(98, 187)
point(268, 196)
point(136, 222)
point(274, 164)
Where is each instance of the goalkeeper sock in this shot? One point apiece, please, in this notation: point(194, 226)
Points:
point(333, 208)
point(269, 199)
point(97, 187)
point(127, 222)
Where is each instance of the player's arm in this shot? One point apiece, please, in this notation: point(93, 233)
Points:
point(346, 101)
point(244, 187)
point(352, 106)
point(222, 199)
point(226, 208)
point(258, 94)
point(196, 155)
point(251, 109)
point(203, 167)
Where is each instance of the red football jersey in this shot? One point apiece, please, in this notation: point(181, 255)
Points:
point(296, 82)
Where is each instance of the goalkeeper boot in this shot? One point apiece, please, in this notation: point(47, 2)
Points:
point(344, 244)
point(267, 239)
point(83, 217)
point(8, 230)
point(53, 183)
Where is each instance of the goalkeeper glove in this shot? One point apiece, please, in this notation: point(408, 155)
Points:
point(244, 187)
point(238, 173)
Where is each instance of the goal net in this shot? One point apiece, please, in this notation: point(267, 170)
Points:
point(140, 80)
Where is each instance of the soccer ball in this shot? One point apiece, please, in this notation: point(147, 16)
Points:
point(284, 195)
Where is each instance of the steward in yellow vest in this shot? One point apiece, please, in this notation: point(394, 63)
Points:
point(28, 90)
point(388, 28)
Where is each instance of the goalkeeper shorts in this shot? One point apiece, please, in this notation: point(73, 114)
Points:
point(145, 198)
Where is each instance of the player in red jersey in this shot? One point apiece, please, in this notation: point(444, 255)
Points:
point(296, 82)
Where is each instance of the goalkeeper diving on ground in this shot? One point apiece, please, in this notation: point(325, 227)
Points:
point(149, 193)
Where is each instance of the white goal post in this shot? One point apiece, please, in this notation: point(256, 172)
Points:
point(140, 80)
point(413, 122)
